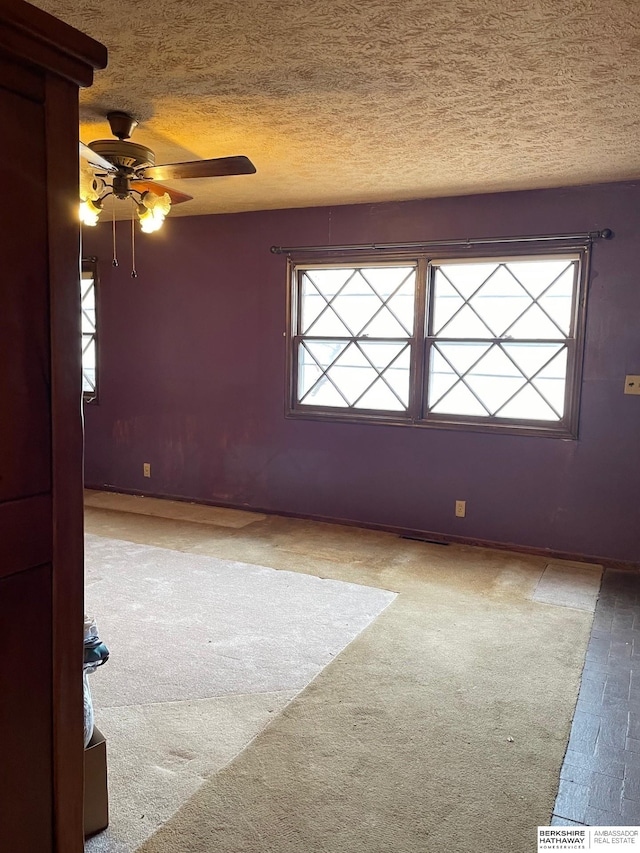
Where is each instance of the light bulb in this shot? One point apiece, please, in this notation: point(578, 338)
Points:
point(90, 211)
point(150, 219)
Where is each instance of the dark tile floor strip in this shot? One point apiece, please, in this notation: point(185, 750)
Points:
point(600, 777)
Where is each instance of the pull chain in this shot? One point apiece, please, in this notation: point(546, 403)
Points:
point(113, 211)
point(134, 274)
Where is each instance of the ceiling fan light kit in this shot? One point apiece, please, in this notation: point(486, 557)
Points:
point(127, 170)
point(152, 211)
point(90, 210)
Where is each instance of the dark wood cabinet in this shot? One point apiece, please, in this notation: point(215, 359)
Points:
point(42, 64)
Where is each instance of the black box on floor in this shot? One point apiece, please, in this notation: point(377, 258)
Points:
point(96, 798)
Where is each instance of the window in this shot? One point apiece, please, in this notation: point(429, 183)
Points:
point(485, 342)
point(89, 330)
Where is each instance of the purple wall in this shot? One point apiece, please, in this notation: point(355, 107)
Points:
point(192, 380)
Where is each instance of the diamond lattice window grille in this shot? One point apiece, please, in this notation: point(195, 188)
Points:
point(376, 302)
point(354, 331)
point(88, 307)
point(354, 374)
point(491, 300)
point(88, 364)
point(496, 340)
point(523, 311)
point(89, 330)
point(494, 379)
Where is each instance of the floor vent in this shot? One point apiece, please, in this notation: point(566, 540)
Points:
point(424, 539)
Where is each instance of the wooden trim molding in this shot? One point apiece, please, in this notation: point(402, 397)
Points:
point(49, 43)
point(67, 463)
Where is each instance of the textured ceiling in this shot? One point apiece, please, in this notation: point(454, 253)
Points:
point(338, 101)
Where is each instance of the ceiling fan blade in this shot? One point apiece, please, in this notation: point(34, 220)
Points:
point(95, 160)
point(216, 168)
point(159, 189)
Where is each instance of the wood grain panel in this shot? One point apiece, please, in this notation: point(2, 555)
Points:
point(21, 79)
point(25, 387)
point(25, 712)
point(26, 534)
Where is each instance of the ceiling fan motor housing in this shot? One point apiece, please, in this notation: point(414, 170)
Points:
point(124, 155)
point(120, 186)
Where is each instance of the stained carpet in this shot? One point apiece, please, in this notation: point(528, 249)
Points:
point(203, 653)
point(442, 727)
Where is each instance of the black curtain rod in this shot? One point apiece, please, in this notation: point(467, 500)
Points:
point(586, 236)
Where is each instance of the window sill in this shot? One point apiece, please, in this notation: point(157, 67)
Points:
point(441, 422)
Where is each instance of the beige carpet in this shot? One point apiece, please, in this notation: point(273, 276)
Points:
point(442, 727)
point(203, 652)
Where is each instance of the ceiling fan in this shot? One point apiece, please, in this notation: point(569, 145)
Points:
point(128, 170)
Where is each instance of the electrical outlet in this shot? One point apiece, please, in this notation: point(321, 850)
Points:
point(461, 509)
point(632, 384)
point(146, 469)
